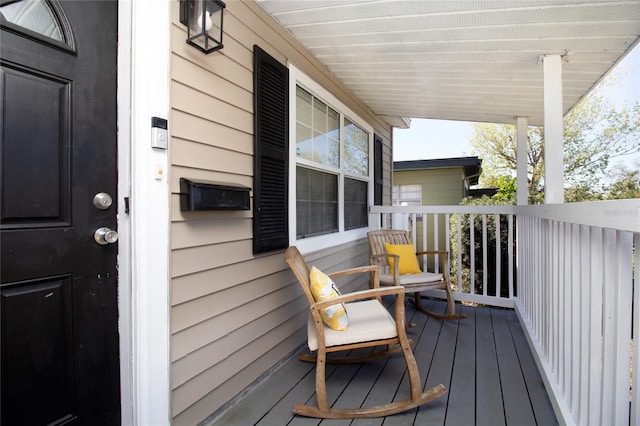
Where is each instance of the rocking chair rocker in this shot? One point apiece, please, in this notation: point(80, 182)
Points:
point(370, 325)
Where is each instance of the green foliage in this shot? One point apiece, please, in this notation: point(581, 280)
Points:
point(595, 133)
point(466, 247)
point(626, 184)
point(507, 189)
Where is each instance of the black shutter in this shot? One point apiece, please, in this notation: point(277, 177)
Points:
point(378, 180)
point(271, 153)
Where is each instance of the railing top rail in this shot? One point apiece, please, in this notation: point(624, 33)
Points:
point(444, 209)
point(622, 215)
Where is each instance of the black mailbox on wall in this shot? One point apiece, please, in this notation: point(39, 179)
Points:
point(202, 195)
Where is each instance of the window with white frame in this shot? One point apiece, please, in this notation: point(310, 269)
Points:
point(333, 183)
point(407, 195)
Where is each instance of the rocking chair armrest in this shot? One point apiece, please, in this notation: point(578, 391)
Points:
point(361, 295)
point(374, 270)
point(444, 260)
point(357, 270)
point(384, 256)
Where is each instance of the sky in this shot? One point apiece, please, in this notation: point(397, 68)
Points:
point(429, 139)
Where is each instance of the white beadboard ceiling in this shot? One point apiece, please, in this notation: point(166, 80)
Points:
point(469, 60)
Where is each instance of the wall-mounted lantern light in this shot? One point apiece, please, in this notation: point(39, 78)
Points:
point(203, 19)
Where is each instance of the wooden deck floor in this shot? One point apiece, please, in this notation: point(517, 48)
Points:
point(483, 360)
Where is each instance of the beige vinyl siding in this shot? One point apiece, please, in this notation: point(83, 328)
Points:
point(234, 316)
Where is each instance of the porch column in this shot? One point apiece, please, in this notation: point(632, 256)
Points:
point(553, 143)
point(150, 23)
point(521, 156)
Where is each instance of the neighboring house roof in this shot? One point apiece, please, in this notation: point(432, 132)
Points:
point(472, 166)
point(479, 192)
point(462, 60)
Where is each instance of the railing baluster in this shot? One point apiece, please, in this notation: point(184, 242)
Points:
point(556, 252)
point(425, 240)
point(472, 254)
point(510, 253)
point(620, 265)
point(459, 251)
point(498, 280)
point(485, 277)
point(595, 327)
point(635, 368)
point(574, 304)
point(565, 308)
point(436, 240)
point(609, 323)
point(447, 236)
point(414, 227)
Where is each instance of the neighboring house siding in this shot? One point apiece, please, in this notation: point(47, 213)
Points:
point(233, 315)
point(440, 187)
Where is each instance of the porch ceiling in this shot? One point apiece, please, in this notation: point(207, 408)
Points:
point(460, 59)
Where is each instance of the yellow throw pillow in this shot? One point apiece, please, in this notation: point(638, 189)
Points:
point(323, 288)
point(408, 260)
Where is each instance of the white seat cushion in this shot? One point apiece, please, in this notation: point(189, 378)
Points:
point(425, 277)
point(368, 320)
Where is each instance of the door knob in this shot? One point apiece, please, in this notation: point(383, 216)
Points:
point(102, 200)
point(105, 236)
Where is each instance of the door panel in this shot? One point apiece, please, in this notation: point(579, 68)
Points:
point(42, 309)
point(58, 286)
point(40, 139)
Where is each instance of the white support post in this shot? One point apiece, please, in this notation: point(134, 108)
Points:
point(150, 206)
point(553, 142)
point(522, 174)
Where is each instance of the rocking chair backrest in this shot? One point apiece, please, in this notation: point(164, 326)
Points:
point(301, 270)
point(378, 238)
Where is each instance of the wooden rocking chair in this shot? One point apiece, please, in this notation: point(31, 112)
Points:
point(414, 283)
point(370, 325)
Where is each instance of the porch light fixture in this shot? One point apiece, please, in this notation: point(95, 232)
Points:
point(203, 19)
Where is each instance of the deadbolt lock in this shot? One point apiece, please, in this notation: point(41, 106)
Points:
point(102, 200)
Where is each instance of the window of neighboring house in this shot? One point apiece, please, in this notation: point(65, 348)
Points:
point(332, 156)
point(407, 195)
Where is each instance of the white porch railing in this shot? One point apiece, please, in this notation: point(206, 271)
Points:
point(477, 274)
point(571, 281)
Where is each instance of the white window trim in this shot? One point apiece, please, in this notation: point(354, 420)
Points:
point(320, 242)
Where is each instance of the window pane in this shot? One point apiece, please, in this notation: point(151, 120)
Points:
point(317, 130)
point(407, 195)
point(319, 116)
point(317, 202)
point(304, 144)
point(356, 149)
point(355, 204)
point(33, 15)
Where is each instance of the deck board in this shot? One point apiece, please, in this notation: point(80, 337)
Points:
point(483, 360)
point(542, 408)
point(517, 405)
point(489, 406)
point(462, 393)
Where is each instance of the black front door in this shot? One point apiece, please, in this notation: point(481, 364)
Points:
point(58, 285)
